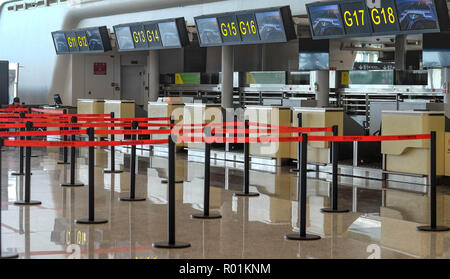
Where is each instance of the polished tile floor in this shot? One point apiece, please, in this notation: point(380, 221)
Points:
point(381, 222)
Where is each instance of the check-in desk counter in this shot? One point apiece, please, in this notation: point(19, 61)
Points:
point(163, 109)
point(318, 151)
point(199, 113)
point(121, 109)
point(412, 156)
point(273, 115)
point(92, 106)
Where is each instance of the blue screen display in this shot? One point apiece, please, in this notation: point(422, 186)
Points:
point(416, 15)
point(326, 20)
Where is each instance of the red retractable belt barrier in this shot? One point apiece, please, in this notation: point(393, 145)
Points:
point(58, 115)
point(37, 143)
point(143, 119)
point(14, 109)
point(50, 111)
point(369, 138)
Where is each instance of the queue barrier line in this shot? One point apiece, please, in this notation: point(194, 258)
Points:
point(14, 109)
point(48, 111)
point(214, 139)
point(65, 115)
point(38, 143)
point(81, 119)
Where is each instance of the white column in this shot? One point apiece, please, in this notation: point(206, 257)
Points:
point(227, 76)
point(320, 80)
point(153, 70)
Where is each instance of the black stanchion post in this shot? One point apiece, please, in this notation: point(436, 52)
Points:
point(65, 149)
point(91, 219)
point(300, 124)
point(246, 192)
point(301, 189)
point(21, 153)
point(73, 159)
point(171, 243)
point(207, 182)
point(132, 196)
point(165, 181)
point(432, 191)
point(334, 186)
point(3, 255)
point(27, 200)
point(113, 152)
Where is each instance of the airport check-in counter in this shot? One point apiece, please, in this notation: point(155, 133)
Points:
point(121, 109)
point(273, 115)
point(318, 151)
point(165, 109)
point(413, 156)
point(199, 113)
point(67, 110)
point(92, 106)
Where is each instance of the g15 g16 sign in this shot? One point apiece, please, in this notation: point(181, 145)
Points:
point(162, 34)
point(272, 25)
point(86, 40)
point(376, 17)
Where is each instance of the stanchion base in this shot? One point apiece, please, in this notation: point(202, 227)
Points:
point(63, 163)
point(87, 221)
point(7, 255)
point(72, 185)
point(243, 194)
point(165, 181)
point(114, 171)
point(298, 237)
point(166, 244)
point(27, 203)
point(17, 173)
point(131, 199)
point(431, 229)
point(203, 216)
point(331, 210)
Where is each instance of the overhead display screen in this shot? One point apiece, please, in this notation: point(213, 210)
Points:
point(326, 20)
point(356, 20)
point(417, 15)
point(384, 18)
point(86, 40)
point(161, 34)
point(353, 18)
point(273, 25)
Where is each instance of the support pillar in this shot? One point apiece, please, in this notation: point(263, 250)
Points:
point(227, 77)
point(400, 52)
point(320, 80)
point(153, 79)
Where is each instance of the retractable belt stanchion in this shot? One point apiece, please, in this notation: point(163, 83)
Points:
point(171, 243)
point(132, 196)
point(301, 189)
point(27, 200)
point(334, 186)
point(113, 153)
point(300, 124)
point(207, 184)
point(65, 149)
point(32, 156)
point(3, 255)
point(21, 153)
point(433, 224)
point(73, 159)
point(91, 219)
point(165, 181)
point(246, 192)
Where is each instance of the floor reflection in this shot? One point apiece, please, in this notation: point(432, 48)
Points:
point(381, 223)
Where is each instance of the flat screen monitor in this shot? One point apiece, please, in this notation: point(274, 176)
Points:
point(208, 30)
point(310, 61)
point(123, 37)
point(270, 26)
point(417, 15)
point(59, 38)
point(326, 21)
point(57, 99)
point(169, 34)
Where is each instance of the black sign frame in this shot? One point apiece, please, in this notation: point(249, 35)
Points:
point(181, 29)
point(287, 26)
point(104, 35)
